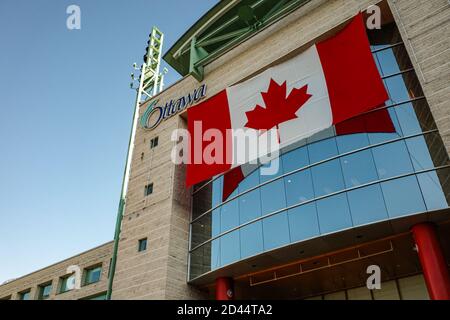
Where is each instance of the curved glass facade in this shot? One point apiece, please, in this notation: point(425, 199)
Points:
point(334, 181)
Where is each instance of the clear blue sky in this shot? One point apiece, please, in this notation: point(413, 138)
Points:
point(65, 117)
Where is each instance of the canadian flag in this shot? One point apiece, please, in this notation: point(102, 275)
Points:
point(329, 83)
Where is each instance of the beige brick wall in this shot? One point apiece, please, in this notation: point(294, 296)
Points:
point(425, 28)
point(149, 274)
point(100, 255)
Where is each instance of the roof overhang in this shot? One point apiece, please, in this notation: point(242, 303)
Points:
point(226, 25)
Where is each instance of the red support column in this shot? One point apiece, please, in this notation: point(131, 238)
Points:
point(432, 259)
point(224, 288)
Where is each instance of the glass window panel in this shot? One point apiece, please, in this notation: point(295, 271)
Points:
point(333, 214)
point(432, 185)
point(200, 230)
point(295, 145)
point(45, 291)
point(379, 137)
point(415, 117)
point(327, 178)
point(389, 58)
point(350, 142)
point(273, 196)
point(215, 254)
point(298, 187)
point(358, 168)
point(249, 206)
point(437, 150)
point(412, 84)
point(68, 283)
point(25, 295)
point(202, 200)
point(276, 231)
point(392, 160)
point(229, 248)
point(401, 55)
point(229, 215)
point(217, 186)
point(252, 180)
point(263, 174)
point(142, 245)
point(322, 150)
point(215, 222)
point(98, 297)
point(93, 275)
point(374, 47)
point(402, 196)
point(387, 61)
point(408, 119)
point(303, 223)
point(427, 151)
point(367, 205)
point(419, 153)
point(295, 159)
point(321, 135)
point(200, 261)
point(251, 239)
point(398, 92)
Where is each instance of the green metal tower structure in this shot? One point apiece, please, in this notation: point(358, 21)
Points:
point(151, 82)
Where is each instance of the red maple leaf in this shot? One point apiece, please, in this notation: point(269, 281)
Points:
point(278, 108)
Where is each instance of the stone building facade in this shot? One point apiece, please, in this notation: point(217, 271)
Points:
point(163, 218)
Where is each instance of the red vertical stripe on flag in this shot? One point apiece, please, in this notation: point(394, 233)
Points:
point(211, 114)
point(353, 81)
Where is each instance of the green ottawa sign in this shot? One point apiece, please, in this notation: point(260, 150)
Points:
point(155, 114)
